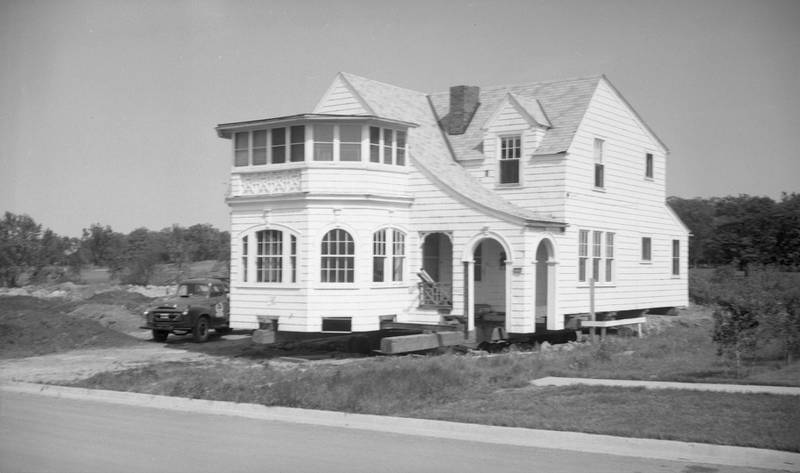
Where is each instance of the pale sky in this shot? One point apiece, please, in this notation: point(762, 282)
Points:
point(108, 108)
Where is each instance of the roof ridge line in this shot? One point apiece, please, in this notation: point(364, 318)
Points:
point(528, 84)
point(386, 84)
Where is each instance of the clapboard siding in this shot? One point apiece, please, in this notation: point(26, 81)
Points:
point(340, 100)
point(630, 205)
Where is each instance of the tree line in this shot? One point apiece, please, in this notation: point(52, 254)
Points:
point(26, 249)
point(742, 230)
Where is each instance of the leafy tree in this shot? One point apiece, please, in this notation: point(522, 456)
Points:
point(20, 246)
point(103, 245)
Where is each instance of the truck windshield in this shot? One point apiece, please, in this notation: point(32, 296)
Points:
point(185, 290)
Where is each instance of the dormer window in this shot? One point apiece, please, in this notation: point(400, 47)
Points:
point(510, 153)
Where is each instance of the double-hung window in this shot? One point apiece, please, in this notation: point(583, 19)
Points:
point(259, 147)
point(609, 256)
point(349, 142)
point(323, 142)
point(583, 254)
point(385, 252)
point(510, 154)
point(599, 166)
point(676, 257)
point(269, 256)
point(338, 257)
point(298, 143)
point(241, 149)
point(597, 245)
point(278, 145)
point(647, 248)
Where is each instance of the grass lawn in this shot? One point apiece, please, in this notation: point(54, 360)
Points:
point(488, 390)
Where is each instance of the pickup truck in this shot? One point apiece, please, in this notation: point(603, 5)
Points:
point(199, 305)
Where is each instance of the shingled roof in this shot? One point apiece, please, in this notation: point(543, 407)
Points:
point(565, 102)
point(436, 157)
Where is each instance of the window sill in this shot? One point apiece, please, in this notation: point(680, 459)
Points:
point(646, 262)
point(347, 286)
point(584, 285)
point(266, 285)
point(508, 185)
point(649, 179)
point(599, 189)
point(388, 285)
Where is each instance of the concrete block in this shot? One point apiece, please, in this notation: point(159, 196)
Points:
point(264, 337)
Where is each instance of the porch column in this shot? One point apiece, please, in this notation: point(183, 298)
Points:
point(553, 322)
point(469, 294)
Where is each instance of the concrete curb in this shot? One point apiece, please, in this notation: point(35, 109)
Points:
point(604, 444)
point(624, 383)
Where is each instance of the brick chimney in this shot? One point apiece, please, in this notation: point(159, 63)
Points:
point(463, 103)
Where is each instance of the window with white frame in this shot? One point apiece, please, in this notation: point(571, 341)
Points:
point(374, 144)
point(385, 252)
point(601, 254)
point(387, 146)
point(398, 255)
point(597, 245)
point(274, 259)
point(323, 142)
point(337, 257)
point(599, 166)
point(676, 257)
point(269, 256)
point(647, 249)
point(400, 159)
point(583, 253)
point(259, 147)
point(244, 258)
point(378, 255)
point(278, 136)
point(609, 256)
point(349, 142)
point(510, 154)
point(241, 149)
point(648, 165)
point(298, 143)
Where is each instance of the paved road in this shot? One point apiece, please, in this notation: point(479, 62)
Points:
point(50, 434)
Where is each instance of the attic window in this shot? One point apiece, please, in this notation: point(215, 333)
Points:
point(510, 153)
point(648, 166)
point(599, 167)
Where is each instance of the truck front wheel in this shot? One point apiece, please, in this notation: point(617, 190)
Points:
point(200, 331)
point(160, 335)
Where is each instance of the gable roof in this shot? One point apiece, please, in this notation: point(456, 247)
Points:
point(531, 111)
point(564, 101)
point(430, 151)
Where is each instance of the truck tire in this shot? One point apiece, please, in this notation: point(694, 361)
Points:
point(200, 330)
point(160, 335)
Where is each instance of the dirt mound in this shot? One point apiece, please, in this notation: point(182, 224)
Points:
point(30, 326)
point(114, 316)
point(132, 301)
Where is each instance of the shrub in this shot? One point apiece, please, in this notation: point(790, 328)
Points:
point(753, 312)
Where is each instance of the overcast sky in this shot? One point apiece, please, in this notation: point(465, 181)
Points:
point(108, 108)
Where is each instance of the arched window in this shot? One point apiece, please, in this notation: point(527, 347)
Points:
point(338, 257)
point(274, 257)
point(385, 253)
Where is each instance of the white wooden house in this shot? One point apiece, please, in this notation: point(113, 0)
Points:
point(512, 199)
